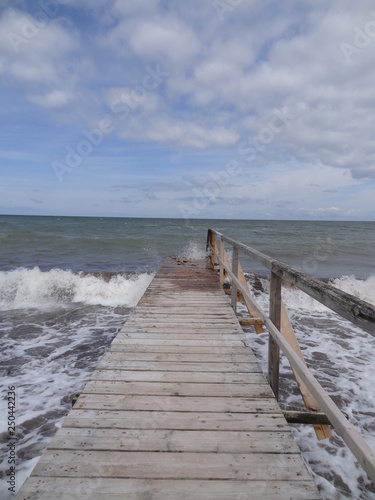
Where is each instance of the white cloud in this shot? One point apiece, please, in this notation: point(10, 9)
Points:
point(167, 130)
point(49, 66)
point(226, 78)
point(333, 210)
point(56, 99)
point(166, 40)
point(191, 135)
point(32, 52)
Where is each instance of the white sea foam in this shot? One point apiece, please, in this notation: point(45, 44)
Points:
point(193, 250)
point(299, 300)
point(56, 352)
point(363, 289)
point(48, 357)
point(54, 327)
point(32, 288)
point(340, 356)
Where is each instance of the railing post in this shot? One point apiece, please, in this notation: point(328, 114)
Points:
point(235, 272)
point(209, 238)
point(213, 250)
point(273, 348)
point(222, 258)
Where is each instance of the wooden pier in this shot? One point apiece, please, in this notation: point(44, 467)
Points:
point(177, 409)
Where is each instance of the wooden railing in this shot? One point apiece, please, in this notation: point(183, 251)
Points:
point(282, 336)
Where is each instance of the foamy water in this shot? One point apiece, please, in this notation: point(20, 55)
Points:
point(25, 288)
point(58, 324)
point(54, 327)
point(193, 250)
point(67, 284)
point(341, 358)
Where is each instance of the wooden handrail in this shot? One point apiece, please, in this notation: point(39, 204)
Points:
point(359, 312)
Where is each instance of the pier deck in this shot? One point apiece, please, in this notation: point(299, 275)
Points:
point(177, 409)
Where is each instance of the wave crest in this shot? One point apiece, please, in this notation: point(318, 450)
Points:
point(194, 251)
point(298, 300)
point(25, 288)
point(362, 289)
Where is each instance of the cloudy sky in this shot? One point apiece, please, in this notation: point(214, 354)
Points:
point(201, 108)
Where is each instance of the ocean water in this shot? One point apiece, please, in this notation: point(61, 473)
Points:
point(68, 284)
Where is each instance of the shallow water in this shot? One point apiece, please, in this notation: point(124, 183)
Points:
point(48, 357)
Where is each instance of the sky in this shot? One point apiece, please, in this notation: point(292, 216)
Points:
point(240, 109)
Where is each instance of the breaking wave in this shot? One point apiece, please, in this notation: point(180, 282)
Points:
point(33, 288)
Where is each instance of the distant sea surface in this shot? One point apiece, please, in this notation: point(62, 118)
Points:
point(67, 284)
point(327, 249)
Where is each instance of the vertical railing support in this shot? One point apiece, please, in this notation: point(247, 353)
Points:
point(213, 250)
point(235, 272)
point(273, 348)
point(222, 258)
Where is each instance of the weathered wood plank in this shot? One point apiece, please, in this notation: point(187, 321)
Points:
point(197, 342)
point(180, 298)
point(210, 300)
point(185, 329)
point(258, 326)
point(273, 348)
point(192, 325)
point(239, 466)
point(158, 489)
point(174, 357)
point(184, 312)
point(178, 420)
point(187, 441)
point(322, 431)
point(176, 403)
point(197, 317)
point(122, 337)
point(141, 347)
point(110, 361)
point(189, 377)
point(178, 389)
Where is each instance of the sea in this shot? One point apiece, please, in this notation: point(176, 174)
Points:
point(68, 284)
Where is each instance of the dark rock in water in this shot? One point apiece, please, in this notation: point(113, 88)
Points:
point(257, 285)
point(319, 356)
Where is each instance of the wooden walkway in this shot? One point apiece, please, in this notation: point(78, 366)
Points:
point(177, 409)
